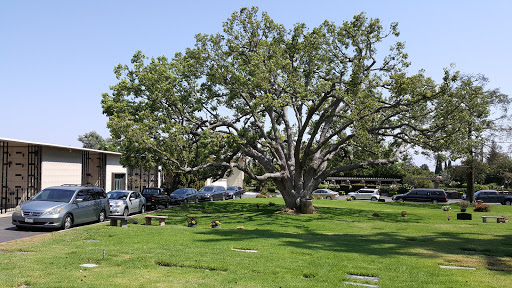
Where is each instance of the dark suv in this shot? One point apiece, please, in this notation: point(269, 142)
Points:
point(422, 195)
point(63, 207)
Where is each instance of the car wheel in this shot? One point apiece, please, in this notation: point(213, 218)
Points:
point(125, 212)
point(68, 222)
point(434, 201)
point(374, 199)
point(328, 198)
point(399, 200)
point(508, 202)
point(142, 209)
point(101, 217)
point(353, 198)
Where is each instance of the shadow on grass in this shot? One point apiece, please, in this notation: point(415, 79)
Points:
point(498, 255)
point(495, 251)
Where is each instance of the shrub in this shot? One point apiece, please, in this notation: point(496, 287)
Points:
point(423, 184)
point(322, 186)
point(482, 208)
point(356, 187)
point(481, 187)
point(333, 187)
point(403, 190)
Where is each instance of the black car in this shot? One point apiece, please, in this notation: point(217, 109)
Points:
point(422, 195)
point(211, 193)
point(184, 195)
point(235, 192)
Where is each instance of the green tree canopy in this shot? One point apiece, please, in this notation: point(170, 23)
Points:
point(302, 103)
point(93, 140)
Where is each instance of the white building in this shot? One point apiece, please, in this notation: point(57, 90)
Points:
point(236, 178)
point(28, 167)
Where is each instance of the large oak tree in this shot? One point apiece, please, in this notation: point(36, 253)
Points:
point(303, 104)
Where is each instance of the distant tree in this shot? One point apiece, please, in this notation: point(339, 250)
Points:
point(439, 163)
point(473, 120)
point(500, 166)
point(424, 167)
point(93, 140)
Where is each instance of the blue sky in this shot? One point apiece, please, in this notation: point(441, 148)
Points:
point(57, 57)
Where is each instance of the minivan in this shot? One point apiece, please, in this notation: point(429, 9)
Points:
point(62, 207)
point(422, 195)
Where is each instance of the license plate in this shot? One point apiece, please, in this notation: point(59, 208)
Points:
point(29, 220)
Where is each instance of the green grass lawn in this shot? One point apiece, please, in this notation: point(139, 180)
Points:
point(293, 250)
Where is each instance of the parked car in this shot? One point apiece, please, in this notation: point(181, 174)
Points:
point(234, 192)
point(62, 207)
point(211, 193)
point(365, 193)
point(325, 194)
point(184, 195)
point(422, 195)
point(125, 202)
point(492, 196)
point(155, 197)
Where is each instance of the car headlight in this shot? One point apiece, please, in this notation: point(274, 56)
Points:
point(18, 210)
point(53, 211)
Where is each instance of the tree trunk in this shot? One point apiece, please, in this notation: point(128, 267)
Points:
point(470, 192)
point(306, 206)
point(295, 200)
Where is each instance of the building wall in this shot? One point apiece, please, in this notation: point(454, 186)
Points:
point(113, 167)
point(60, 166)
point(236, 179)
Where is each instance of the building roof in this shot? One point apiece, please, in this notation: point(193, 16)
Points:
point(23, 142)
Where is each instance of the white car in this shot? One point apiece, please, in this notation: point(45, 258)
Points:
point(125, 202)
point(365, 194)
point(325, 194)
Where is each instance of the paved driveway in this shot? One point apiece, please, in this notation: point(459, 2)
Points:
point(9, 232)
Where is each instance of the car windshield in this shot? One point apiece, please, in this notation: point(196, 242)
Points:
point(232, 188)
point(180, 192)
point(206, 189)
point(117, 195)
point(150, 191)
point(54, 195)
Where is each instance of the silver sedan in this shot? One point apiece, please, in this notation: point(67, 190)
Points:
point(125, 202)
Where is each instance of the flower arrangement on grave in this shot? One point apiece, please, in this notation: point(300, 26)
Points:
point(192, 222)
point(446, 208)
point(482, 208)
point(448, 217)
point(215, 223)
point(464, 205)
point(404, 213)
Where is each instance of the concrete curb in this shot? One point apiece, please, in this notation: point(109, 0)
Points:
point(8, 214)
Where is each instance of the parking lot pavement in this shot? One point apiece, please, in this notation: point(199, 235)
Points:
point(9, 232)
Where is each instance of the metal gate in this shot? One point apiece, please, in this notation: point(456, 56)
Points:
point(4, 174)
point(20, 174)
